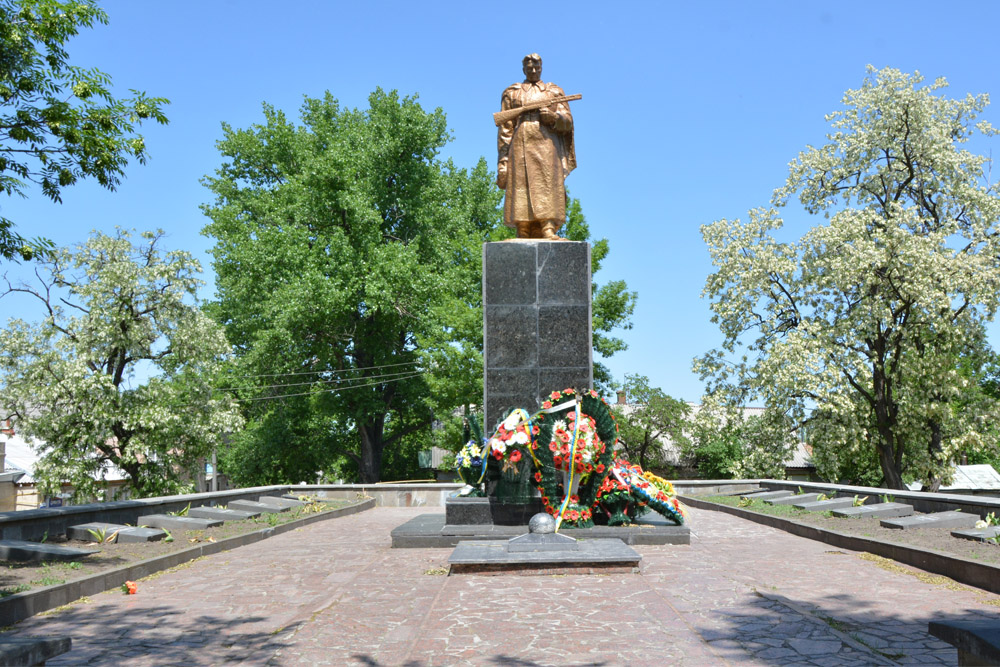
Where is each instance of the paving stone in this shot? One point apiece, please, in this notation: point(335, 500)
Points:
point(979, 534)
point(792, 500)
point(767, 495)
point(280, 502)
point(251, 506)
point(934, 520)
point(825, 505)
point(815, 647)
point(171, 522)
point(224, 514)
point(883, 510)
point(22, 551)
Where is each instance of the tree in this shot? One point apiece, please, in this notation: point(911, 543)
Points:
point(348, 270)
point(729, 440)
point(865, 319)
point(59, 123)
point(114, 311)
point(612, 304)
point(650, 418)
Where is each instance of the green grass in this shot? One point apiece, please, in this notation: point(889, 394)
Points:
point(755, 505)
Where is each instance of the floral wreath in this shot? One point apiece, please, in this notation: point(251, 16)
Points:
point(551, 456)
point(649, 489)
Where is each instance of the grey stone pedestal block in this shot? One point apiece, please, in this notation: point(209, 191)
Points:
point(537, 323)
point(464, 511)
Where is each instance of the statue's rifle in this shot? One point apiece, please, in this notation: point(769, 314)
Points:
point(501, 117)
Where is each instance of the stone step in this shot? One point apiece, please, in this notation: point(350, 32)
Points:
point(978, 534)
point(224, 514)
point(280, 502)
point(825, 505)
point(116, 532)
point(881, 510)
point(171, 522)
point(766, 495)
point(22, 551)
point(251, 506)
point(793, 500)
point(951, 519)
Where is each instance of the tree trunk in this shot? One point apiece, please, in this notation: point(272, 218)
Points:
point(372, 444)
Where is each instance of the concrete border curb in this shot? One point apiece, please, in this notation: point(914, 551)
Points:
point(969, 572)
point(20, 606)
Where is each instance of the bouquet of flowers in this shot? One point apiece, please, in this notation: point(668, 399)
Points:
point(649, 490)
point(470, 463)
point(619, 504)
point(512, 437)
point(584, 457)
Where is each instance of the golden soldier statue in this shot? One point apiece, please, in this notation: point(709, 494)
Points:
point(535, 153)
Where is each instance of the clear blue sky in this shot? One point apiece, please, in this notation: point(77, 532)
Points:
point(690, 111)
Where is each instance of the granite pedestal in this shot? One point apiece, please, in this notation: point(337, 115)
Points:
point(537, 323)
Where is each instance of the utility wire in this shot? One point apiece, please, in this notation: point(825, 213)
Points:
point(343, 370)
point(318, 380)
point(328, 391)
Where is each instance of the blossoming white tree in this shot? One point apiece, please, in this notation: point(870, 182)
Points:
point(114, 310)
point(863, 322)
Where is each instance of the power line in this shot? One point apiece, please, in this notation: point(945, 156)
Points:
point(328, 391)
point(342, 370)
point(317, 380)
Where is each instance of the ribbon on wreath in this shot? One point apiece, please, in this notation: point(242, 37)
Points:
point(572, 457)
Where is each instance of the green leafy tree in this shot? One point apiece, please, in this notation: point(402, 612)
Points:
point(612, 304)
point(59, 123)
point(729, 440)
point(865, 319)
point(348, 260)
point(650, 420)
point(114, 311)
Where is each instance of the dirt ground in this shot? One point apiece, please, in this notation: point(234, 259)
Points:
point(932, 539)
point(19, 577)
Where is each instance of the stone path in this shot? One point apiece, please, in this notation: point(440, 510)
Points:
point(334, 593)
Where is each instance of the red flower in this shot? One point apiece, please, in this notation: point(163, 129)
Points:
point(546, 405)
point(515, 455)
point(553, 447)
point(130, 587)
point(535, 430)
point(497, 455)
point(557, 461)
point(555, 396)
point(600, 468)
point(575, 499)
point(568, 391)
point(538, 477)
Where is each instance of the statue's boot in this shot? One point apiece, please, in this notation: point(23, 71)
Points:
point(549, 230)
point(524, 230)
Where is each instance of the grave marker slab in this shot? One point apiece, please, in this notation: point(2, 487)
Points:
point(82, 531)
point(280, 502)
point(792, 500)
point(171, 522)
point(881, 510)
point(978, 534)
point(935, 520)
point(251, 506)
point(23, 551)
point(140, 534)
point(824, 505)
point(225, 515)
point(767, 495)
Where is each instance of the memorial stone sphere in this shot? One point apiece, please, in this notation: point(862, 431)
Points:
point(542, 523)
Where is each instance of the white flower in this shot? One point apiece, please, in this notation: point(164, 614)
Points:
point(520, 438)
point(513, 419)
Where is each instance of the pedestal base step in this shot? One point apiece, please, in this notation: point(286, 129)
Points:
point(493, 557)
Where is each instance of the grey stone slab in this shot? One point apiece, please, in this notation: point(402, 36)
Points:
point(825, 505)
point(512, 272)
point(171, 522)
point(22, 551)
point(280, 502)
point(978, 534)
point(495, 552)
point(463, 511)
point(224, 514)
point(935, 520)
point(32, 650)
point(882, 510)
point(512, 332)
point(251, 506)
point(552, 379)
point(563, 335)
point(542, 542)
point(767, 495)
point(82, 531)
point(556, 261)
point(978, 639)
point(792, 500)
point(140, 534)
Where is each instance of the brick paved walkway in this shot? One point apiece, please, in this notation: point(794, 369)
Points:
point(334, 593)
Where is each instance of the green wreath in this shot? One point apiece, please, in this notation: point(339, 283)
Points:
point(558, 407)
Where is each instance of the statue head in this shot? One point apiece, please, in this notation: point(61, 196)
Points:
point(532, 66)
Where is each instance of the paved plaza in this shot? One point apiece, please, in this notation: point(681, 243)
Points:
point(334, 593)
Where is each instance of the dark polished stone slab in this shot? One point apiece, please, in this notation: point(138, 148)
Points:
point(253, 506)
point(429, 531)
point(225, 515)
point(560, 542)
point(280, 502)
point(825, 505)
point(978, 534)
point(792, 500)
point(466, 511)
point(495, 556)
point(935, 520)
point(22, 551)
point(767, 495)
point(536, 323)
point(882, 510)
point(977, 639)
point(177, 522)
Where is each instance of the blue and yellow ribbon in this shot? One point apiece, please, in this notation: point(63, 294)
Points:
point(572, 465)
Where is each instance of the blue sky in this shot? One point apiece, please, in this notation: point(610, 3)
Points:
point(691, 112)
